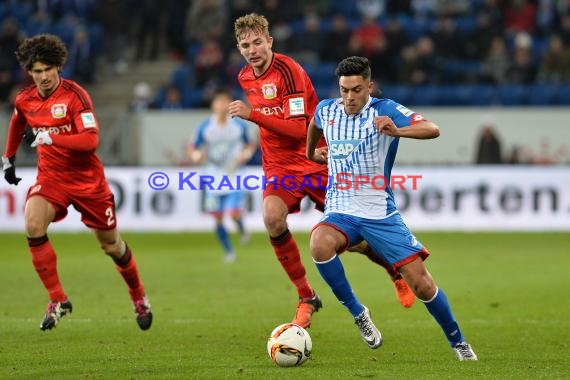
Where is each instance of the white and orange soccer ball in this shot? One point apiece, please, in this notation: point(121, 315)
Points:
point(289, 345)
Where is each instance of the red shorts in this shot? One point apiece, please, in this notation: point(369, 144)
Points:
point(292, 189)
point(97, 209)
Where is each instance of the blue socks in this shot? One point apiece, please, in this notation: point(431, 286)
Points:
point(439, 308)
point(332, 272)
point(240, 227)
point(224, 237)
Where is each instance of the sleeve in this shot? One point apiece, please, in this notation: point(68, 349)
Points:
point(292, 85)
point(85, 141)
point(198, 139)
point(244, 136)
point(15, 130)
point(295, 95)
point(401, 115)
point(318, 115)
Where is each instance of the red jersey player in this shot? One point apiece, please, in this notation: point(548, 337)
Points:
point(283, 101)
point(64, 129)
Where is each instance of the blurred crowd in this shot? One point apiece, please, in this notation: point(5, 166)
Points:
point(410, 42)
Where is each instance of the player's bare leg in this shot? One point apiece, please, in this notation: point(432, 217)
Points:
point(275, 218)
point(39, 213)
point(126, 265)
point(403, 291)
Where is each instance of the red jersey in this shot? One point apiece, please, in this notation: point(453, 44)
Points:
point(67, 114)
point(283, 92)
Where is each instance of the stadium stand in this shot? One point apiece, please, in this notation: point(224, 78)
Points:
point(457, 74)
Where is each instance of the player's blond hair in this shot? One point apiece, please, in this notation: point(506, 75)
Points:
point(251, 22)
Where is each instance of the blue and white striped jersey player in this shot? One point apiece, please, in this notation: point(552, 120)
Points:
point(222, 145)
point(362, 134)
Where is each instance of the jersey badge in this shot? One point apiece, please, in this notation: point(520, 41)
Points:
point(88, 120)
point(58, 111)
point(341, 149)
point(296, 106)
point(269, 91)
point(405, 111)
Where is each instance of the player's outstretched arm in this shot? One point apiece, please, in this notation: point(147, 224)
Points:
point(83, 142)
point(422, 130)
point(294, 127)
point(313, 136)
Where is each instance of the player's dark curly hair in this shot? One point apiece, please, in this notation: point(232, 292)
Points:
point(45, 48)
point(354, 66)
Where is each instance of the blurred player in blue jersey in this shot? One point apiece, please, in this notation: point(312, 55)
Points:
point(221, 143)
point(362, 134)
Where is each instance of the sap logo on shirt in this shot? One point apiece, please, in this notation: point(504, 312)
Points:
point(341, 149)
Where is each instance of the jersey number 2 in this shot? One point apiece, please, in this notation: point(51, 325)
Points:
point(110, 216)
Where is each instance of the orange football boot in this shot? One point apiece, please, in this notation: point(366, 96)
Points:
point(305, 310)
point(404, 293)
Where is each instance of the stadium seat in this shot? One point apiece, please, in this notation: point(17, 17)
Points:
point(542, 94)
point(400, 94)
point(563, 95)
point(182, 77)
point(512, 95)
point(426, 95)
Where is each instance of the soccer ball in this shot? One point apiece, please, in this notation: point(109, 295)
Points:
point(289, 345)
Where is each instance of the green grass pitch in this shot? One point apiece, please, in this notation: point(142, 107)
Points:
point(508, 291)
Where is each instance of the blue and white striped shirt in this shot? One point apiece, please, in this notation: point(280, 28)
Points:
point(360, 158)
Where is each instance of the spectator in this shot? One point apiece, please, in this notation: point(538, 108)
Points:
point(523, 68)
point(555, 64)
point(497, 62)
point(208, 62)
point(372, 8)
point(175, 21)
point(172, 99)
point(82, 59)
point(369, 40)
point(142, 98)
point(448, 43)
point(519, 16)
point(478, 42)
point(320, 7)
point(309, 42)
point(112, 15)
point(147, 29)
point(206, 20)
point(335, 46)
point(489, 146)
point(420, 64)
point(397, 39)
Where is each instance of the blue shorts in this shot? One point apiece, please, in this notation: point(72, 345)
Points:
point(218, 203)
point(390, 238)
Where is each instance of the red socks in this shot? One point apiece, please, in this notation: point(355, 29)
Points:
point(45, 263)
point(288, 255)
point(127, 267)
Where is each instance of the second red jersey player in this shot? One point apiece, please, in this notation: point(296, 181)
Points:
point(283, 102)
